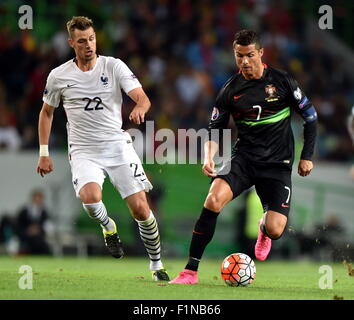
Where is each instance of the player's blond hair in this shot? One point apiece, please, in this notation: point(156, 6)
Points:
point(78, 22)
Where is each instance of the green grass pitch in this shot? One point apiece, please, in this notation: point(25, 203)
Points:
point(129, 279)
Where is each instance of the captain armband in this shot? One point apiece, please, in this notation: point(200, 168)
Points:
point(309, 115)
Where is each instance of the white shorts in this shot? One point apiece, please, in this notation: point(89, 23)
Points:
point(128, 178)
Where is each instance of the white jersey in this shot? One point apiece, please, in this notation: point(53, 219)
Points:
point(92, 101)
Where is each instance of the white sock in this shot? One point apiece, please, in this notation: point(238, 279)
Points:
point(156, 265)
point(98, 212)
point(149, 234)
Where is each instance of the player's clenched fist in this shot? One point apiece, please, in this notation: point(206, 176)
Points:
point(45, 165)
point(208, 168)
point(305, 167)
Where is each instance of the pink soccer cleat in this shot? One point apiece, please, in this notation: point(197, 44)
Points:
point(263, 245)
point(186, 277)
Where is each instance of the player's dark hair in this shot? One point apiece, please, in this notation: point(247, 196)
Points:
point(78, 22)
point(247, 37)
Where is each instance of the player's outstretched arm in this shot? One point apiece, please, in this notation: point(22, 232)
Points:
point(210, 148)
point(45, 163)
point(142, 105)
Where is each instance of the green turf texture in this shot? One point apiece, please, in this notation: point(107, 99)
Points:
point(98, 278)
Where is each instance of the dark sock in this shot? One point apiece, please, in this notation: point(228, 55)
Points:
point(263, 229)
point(202, 234)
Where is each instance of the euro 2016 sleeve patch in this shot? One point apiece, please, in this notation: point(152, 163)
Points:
point(215, 114)
point(297, 94)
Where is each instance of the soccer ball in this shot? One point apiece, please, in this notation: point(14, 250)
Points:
point(238, 269)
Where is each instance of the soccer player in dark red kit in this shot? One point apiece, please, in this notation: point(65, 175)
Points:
point(261, 100)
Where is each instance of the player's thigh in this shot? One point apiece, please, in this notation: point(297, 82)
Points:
point(230, 182)
point(88, 173)
point(219, 195)
point(275, 193)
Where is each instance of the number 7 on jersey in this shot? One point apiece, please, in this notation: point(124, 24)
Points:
point(259, 111)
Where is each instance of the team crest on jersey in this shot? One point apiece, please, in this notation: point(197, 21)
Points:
point(271, 90)
point(104, 80)
point(215, 114)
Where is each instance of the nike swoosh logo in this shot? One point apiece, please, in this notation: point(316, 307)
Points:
point(143, 180)
point(196, 232)
point(238, 97)
point(284, 205)
point(71, 85)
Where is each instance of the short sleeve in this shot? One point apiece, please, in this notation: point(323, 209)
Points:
point(221, 114)
point(126, 78)
point(51, 94)
point(219, 118)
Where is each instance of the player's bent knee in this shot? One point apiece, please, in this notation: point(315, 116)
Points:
point(214, 203)
point(140, 210)
point(90, 193)
point(88, 197)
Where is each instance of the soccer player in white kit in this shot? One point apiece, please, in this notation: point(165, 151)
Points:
point(90, 88)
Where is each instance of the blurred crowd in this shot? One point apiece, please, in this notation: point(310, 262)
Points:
point(26, 232)
point(181, 51)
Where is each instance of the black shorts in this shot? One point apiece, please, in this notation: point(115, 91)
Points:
point(272, 182)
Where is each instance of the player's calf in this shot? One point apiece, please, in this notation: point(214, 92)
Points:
point(271, 227)
point(97, 211)
point(273, 234)
point(274, 225)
